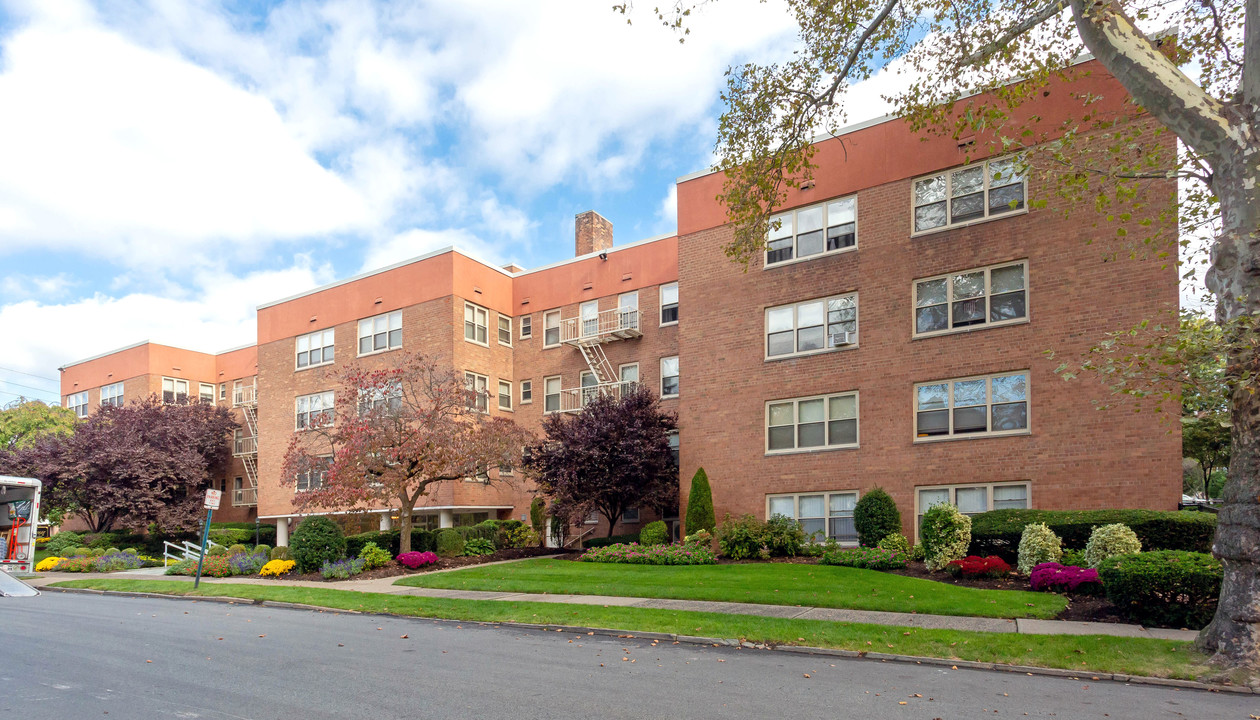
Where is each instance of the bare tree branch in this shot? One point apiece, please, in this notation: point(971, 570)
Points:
point(988, 50)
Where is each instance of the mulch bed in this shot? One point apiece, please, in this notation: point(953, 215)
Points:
point(396, 570)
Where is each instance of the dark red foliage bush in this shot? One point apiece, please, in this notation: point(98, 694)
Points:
point(974, 566)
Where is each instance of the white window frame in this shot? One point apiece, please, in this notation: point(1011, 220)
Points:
point(949, 300)
point(826, 422)
point(482, 396)
point(827, 515)
point(527, 327)
point(621, 373)
point(505, 384)
point(628, 310)
point(223, 391)
point(392, 323)
point(588, 318)
point(953, 497)
point(389, 397)
point(175, 385)
point(558, 394)
point(202, 395)
point(988, 406)
point(504, 319)
point(664, 305)
point(678, 365)
point(826, 326)
point(476, 311)
point(547, 316)
point(327, 339)
point(326, 406)
point(527, 392)
point(112, 394)
point(323, 477)
point(78, 403)
point(790, 216)
point(948, 175)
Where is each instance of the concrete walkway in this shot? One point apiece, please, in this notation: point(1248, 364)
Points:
point(872, 617)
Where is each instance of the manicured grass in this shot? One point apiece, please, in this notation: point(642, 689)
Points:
point(768, 583)
point(1132, 656)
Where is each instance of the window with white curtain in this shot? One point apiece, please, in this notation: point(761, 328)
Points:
point(820, 514)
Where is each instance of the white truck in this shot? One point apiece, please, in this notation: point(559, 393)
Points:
point(19, 515)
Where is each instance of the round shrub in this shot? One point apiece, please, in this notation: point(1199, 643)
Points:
point(237, 549)
point(1110, 541)
point(897, 543)
point(1053, 577)
point(315, 541)
point(916, 552)
point(1038, 544)
point(784, 537)
point(216, 551)
point(415, 560)
point(373, 556)
point(1167, 588)
point(450, 543)
point(876, 517)
point(83, 552)
point(654, 533)
point(946, 533)
point(131, 551)
point(974, 566)
point(63, 542)
point(262, 550)
point(281, 553)
point(741, 538)
point(112, 551)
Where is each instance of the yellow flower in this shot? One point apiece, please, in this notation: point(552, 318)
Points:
point(47, 564)
point(276, 568)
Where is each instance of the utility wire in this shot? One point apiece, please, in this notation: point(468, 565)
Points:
point(19, 372)
point(28, 387)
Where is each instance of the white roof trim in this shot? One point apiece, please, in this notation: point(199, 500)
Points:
point(588, 256)
point(106, 354)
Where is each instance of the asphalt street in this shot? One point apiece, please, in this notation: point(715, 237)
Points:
point(66, 656)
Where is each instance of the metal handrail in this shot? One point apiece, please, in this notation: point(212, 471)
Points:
point(247, 496)
point(245, 445)
point(574, 399)
point(245, 395)
point(186, 549)
point(608, 322)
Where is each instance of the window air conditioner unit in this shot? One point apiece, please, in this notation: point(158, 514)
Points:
point(839, 339)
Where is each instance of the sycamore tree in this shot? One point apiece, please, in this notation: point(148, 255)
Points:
point(133, 465)
point(393, 436)
point(961, 57)
point(612, 456)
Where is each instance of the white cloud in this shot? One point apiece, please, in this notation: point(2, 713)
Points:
point(668, 211)
point(416, 242)
point(41, 287)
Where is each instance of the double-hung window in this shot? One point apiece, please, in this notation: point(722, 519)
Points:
point(205, 393)
point(476, 386)
point(969, 194)
point(527, 327)
point(996, 295)
point(505, 395)
point(174, 392)
point(223, 391)
point(112, 394)
point(551, 328)
point(315, 349)
point(387, 398)
point(313, 477)
point(628, 311)
point(820, 514)
point(380, 333)
point(628, 375)
point(314, 410)
point(972, 499)
point(993, 405)
point(669, 304)
point(590, 386)
point(78, 402)
point(505, 330)
point(673, 446)
point(475, 328)
point(812, 326)
point(828, 227)
point(825, 421)
point(551, 394)
point(669, 376)
point(527, 392)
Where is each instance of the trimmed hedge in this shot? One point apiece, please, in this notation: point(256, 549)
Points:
point(654, 533)
point(614, 540)
point(316, 540)
point(450, 543)
point(1168, 588)
point(997, 532)
point(421, 541)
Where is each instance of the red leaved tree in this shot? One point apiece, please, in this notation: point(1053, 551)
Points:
point(394, 434)
point(612, 456)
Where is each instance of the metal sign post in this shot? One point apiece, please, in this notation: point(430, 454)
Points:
point(212, 504)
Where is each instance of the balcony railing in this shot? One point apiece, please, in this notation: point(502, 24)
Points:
point(574, 399)
point(247, 497)
point(615, 324)
point(244, 395)
point(245, 445)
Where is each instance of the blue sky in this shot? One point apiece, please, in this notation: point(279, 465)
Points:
point(169, 166)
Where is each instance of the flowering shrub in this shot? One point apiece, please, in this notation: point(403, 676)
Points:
point(415, 560)
point(636, 554)
point(699, 537)
point(1109, 541)
point(212, 566)
point(276, 568)
point(1037, 545)
point(945, 533)
point(974, 566)
point(48, 564)
point(373, 556)
point(115, 561)
point(868, 558)
point(1053, 577)
point(895, 542)
point(341, 569)
point(77, 564)
point(246, 564)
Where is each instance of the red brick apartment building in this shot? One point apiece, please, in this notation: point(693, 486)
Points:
point(893, 334)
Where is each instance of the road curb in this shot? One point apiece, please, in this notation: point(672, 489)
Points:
point(716, 642)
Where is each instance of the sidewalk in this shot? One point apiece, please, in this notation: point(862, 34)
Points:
point(948, 622)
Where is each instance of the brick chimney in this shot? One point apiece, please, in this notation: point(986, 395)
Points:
point(591, 233)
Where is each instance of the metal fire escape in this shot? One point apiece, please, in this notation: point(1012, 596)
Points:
point(245, 447)
point(589, 334)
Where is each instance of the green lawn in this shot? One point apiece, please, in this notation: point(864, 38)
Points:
point(768, 583)
point(1132, 656)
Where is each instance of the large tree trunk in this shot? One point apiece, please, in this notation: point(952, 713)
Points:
point(404, 526)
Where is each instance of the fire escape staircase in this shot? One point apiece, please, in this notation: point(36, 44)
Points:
point(245, 447)
point(589, 334)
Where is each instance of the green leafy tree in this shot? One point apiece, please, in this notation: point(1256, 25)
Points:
point(965, 54)
point(23, 422)
point(1207, 441)
point(700, 505)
